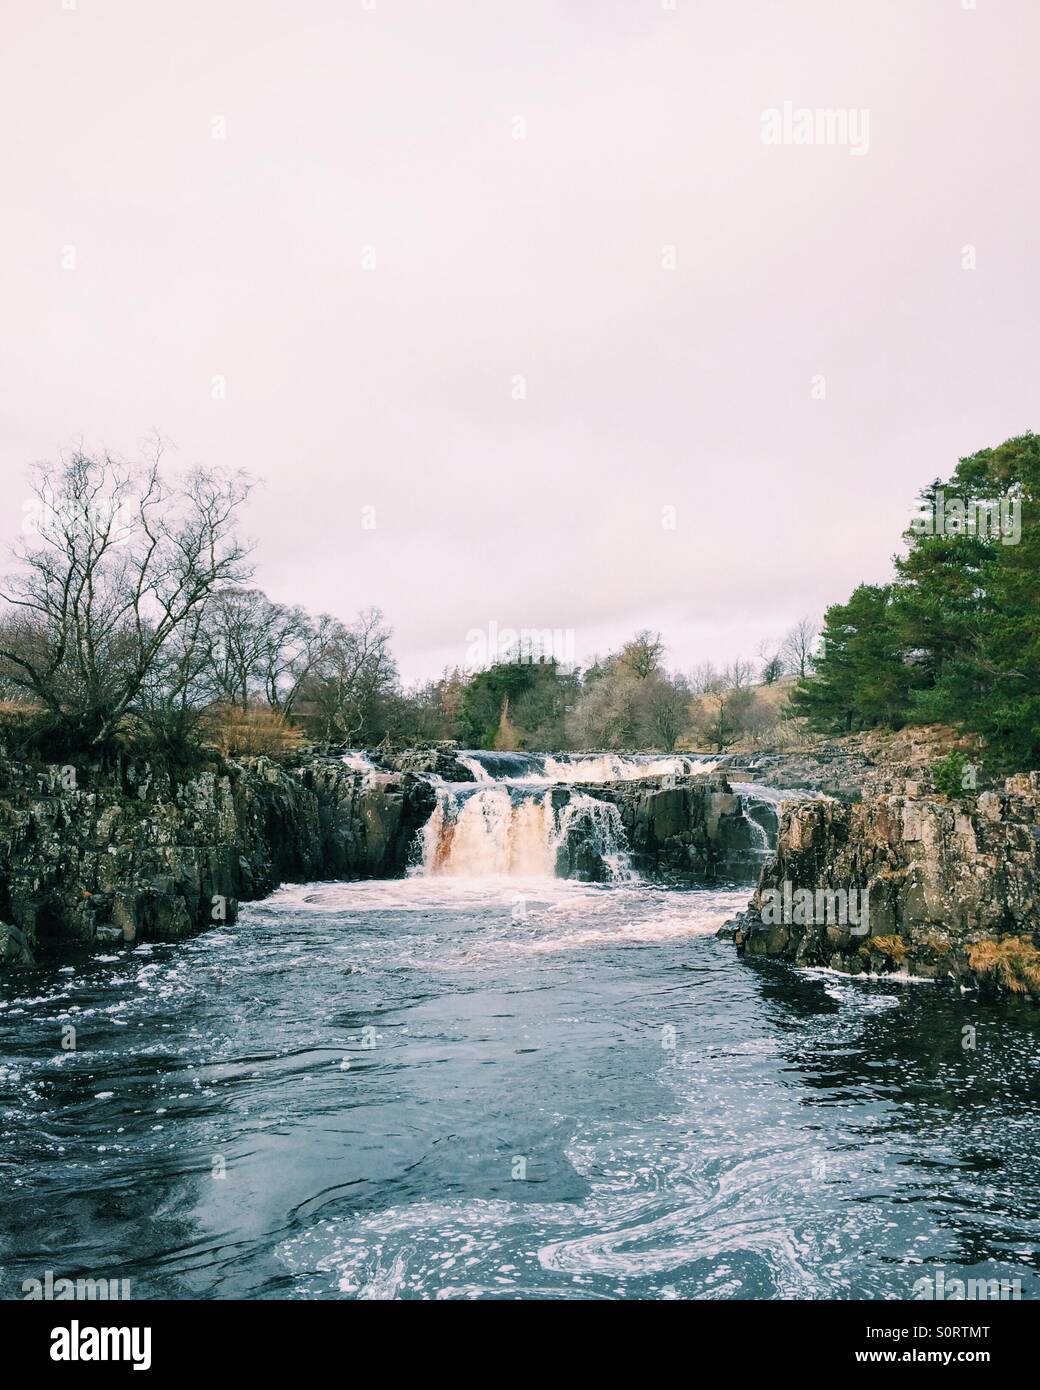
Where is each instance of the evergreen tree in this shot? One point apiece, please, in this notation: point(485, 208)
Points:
point(863, 675)
point(956, 637)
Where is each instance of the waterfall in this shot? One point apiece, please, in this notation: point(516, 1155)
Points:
point(763, 844)
point(499, 831)
point(359, 761)
point(480, 773)
point(567, 768)
point(526, 815)
point(590, 834)
point(489, 834)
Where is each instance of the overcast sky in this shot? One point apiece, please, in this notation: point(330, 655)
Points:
point(518, 170)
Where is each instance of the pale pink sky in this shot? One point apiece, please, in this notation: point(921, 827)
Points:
point(495, 257)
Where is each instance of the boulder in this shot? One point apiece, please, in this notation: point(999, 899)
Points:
point(14, 948)
point(687, 829)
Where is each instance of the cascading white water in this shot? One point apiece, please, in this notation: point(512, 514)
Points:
point(616, 767)
point(361, 763)
point(762, 846)
point(599, 824)
point(524, 815)
point(488, 834)
point(534, 768)
point(480, 773)
point(493, 833)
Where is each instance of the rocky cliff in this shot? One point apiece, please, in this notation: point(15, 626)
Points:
point(952, 887)
point(692, 830)
point(854, 766)
point(148, 856)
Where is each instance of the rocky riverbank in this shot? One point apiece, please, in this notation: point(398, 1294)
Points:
point(852, 767)
point(952, 887)
point(150, 856)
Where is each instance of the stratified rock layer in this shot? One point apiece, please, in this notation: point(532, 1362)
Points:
point(943, 877)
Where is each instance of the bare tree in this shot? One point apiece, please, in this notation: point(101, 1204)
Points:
point(357, 669)
point(606, 713)
point(179, 685)
point(297, 646)
point(642, 653)
point(728, 705)
point(798, 646)
point(238, 628)
point(705, 679)
point(772, 667)
point(664, 709)
point(739, 675)
point(118, 566)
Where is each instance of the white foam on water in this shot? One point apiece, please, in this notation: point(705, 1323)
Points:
point(421, 893)
point(358, 761)
point(480, 773)
point(649, 922)
point(616, 767)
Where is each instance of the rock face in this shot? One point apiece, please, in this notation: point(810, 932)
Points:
point(837, 772)
point(953, 887)
point(437, 760)
point(692, 830)
point(153, 858)
point(854, 766)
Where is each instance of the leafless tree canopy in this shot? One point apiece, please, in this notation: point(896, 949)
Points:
point(110, 582)
point(355, 672)
point(798, 646)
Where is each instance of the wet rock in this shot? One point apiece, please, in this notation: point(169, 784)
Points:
point(691, 830)
point(952, 887)
point(139, 856)
point(14, 948)
point(436, 760)
point(855, 766)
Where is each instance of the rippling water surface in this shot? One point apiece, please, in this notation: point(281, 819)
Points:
point(447, 1089)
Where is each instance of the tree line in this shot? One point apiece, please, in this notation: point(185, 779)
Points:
point(130, 619)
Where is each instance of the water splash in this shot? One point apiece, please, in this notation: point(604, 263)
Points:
point(568, 768)
point(590, 833)
point(762, 846)
point(480, 773)
point(503, 831)
point(359, 761)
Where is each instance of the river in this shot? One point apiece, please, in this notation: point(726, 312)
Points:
point(467, 1084)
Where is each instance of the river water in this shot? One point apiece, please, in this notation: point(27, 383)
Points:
point(483, 1085)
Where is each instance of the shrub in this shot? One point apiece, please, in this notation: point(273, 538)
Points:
point(934, 941)
point(948, 773)
point(1013, 962)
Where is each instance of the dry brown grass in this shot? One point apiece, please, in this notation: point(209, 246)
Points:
point(248, 733)
point(1013, 961)
point(894, 947)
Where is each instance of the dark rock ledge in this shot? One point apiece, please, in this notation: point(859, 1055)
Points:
point(155, 858)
